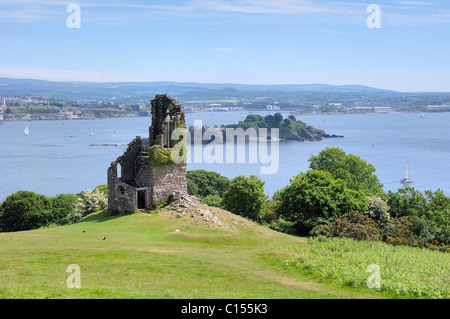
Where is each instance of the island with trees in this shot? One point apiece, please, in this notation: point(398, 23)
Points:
point(289, 129)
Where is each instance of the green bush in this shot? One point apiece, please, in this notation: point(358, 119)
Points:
point(245, 196)
point(25, 210)
point(103, 188)
point(428, 213)
point(89, 202)
point(350, 225)
point(63, 205)
point(192, 187)
point(202, 183)
point(399, 232)
point(316, 197)
point(213, 200)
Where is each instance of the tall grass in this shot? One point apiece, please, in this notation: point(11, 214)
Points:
point(404, 271)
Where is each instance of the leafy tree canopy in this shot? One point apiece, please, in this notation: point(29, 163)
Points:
point(316, 197)
point(356, 172)
point(429, 213)
point(202, 183)
point(25, 210)
point(245, 196)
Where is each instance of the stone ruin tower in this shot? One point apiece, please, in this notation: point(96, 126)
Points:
point(139, 178)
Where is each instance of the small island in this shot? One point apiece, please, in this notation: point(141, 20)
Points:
point(290, 129)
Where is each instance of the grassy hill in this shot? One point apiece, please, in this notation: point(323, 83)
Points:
point(174, 252)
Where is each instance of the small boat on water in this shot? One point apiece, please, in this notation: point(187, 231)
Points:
point(406, 179)
point(422, 116)
point(26, 131)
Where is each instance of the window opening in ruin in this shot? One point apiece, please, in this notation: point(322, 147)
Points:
point(119, 170)
point(121, 190)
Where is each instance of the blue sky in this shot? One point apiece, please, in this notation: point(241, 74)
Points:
point(230, 41)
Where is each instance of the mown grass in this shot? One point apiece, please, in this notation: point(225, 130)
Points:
point(403, 271)
point(143, 256)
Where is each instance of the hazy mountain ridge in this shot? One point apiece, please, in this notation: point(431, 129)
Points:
point(9, 86)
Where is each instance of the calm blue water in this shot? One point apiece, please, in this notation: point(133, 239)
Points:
point(57, 156)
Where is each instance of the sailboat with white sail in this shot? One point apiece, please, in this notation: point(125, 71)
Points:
point(26, 131)
point(406, 179)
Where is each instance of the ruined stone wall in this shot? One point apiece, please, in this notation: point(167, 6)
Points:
point(141, 183)
point(143, 176)
point(127, 160)
point(121, 196)
point(168, 179)
point(166, 116)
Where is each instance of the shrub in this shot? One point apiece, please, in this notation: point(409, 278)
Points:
point(103, 188)
point(350, 225)
point(316, 197)
point(399, 232)
point(282, 226)
point(321, 230)
point(245, 196)
point(270, 216)
point(435, 245)
point(89, 202)
point(429, 213)
point(213, 200)
point(202, 183)
point(25, 210)
point(63, 205)
point(378, 210)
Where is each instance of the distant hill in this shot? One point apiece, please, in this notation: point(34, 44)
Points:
point(87, 90)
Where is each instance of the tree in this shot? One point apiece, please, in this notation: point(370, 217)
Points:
point(25, 210)
point(407, 202)
point(428, 213)
point(202, 183)
point(269, 119)
point(316, 197)
point(253, 118)
point(278, 118)
point(358, 174)
point(63, 205)
point(245, 196)
point(192, 187)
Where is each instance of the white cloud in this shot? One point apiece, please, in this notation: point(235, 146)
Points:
point(263, 6)
point(415, 3)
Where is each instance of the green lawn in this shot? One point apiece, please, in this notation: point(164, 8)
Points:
point(143, 256)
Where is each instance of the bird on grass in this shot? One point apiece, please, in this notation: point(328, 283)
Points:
point(104, 238)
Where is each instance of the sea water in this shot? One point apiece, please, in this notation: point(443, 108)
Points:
point(73, 155)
